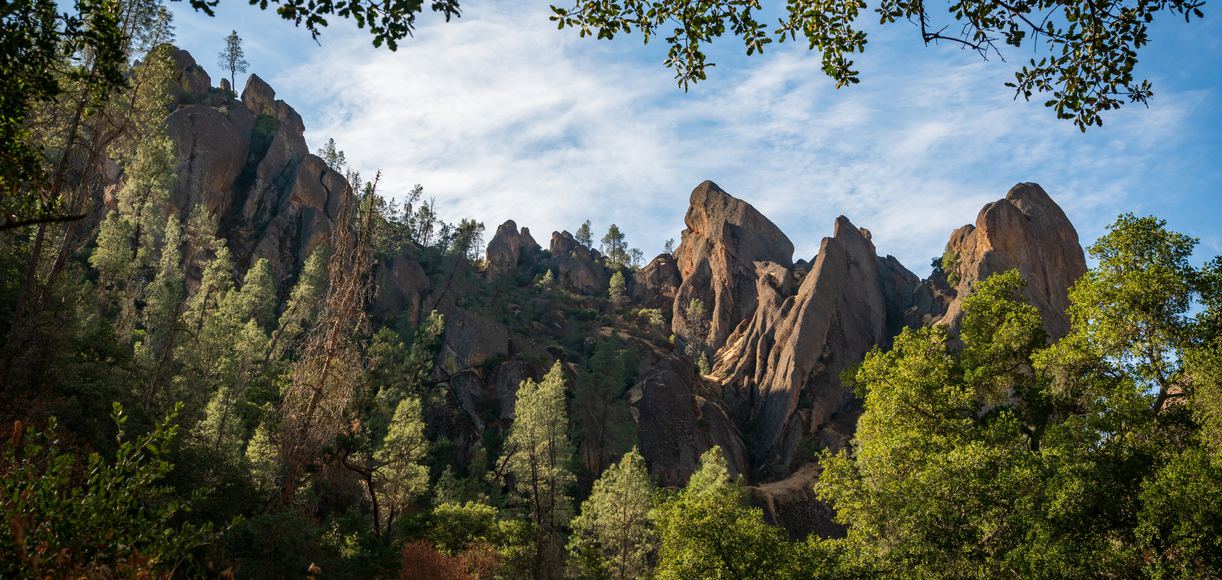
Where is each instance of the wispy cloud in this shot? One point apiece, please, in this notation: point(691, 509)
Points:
point(500, 116)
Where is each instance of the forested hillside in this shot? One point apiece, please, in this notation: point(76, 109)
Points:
point(239, 358)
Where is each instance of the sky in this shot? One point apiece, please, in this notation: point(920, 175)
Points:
point(500, 116)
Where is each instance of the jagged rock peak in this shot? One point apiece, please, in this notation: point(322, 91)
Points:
point(780, 368)
point(1026, 230)
point(508, 248)
point(716, 258)
point(259, 97)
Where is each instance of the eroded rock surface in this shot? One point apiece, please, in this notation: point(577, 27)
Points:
point(1025, 230)
point(657, 284)
point(508, 249)
point(716, 258)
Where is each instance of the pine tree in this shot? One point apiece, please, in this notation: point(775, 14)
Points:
point(538, 455)
point(303, 304)
point(614, 248)
point(165, 298)
point(585, 235)
point(669, 246)
point(232, 58)
point(603, 422)
point(614, 535)
point(398, 475)
point(616, 290)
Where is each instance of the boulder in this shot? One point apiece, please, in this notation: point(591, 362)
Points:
point(193, 81)
point(259, 97)
point(716, 258)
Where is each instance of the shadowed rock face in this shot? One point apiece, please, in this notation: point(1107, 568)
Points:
point(780, 369)
point(577, 267)
point(724, 238)
point(656, 285)
point(1025, 230)
point(675, 426)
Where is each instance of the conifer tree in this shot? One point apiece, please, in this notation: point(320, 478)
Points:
point(614, 535)
point(232, 58)
point(537, 456)
point(585, 235)
point(616, 290)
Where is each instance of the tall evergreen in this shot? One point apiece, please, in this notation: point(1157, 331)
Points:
point(538, 454)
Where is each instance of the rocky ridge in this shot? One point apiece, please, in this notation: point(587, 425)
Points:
point(780, 331)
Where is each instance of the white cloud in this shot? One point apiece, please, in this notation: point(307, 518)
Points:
point(500, 116)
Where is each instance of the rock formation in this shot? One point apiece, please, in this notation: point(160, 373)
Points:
point(657, 284)
point(1025, 230)
point(780, 369)
point(781, 332)
point(508, 248)
point(716, 258)
point(577, 267)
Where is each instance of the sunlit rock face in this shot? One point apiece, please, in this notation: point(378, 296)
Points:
point(716, 258)
point(1027, 231)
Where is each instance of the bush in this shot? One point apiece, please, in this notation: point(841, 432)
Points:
point(68, 519)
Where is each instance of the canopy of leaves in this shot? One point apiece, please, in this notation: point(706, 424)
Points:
point(1091, 49)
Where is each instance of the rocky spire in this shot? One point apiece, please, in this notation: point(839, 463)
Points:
point(716, 258)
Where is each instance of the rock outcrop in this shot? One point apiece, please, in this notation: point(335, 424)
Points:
point(508, 249)
point(781, 368)
point(675, 426)
point(1025, 230)
point(577, 267)
point(716, 258)
point(657, 284)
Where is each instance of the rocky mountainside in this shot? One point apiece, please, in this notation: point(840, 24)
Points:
point(780, 332)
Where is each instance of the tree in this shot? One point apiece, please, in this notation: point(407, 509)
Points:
point(614, 536)
point(1091, 52)
point(335, 158)
point(331, 368)
point(602, 420)
point(537, 456)
point(669, 246)
point(614, 248)
point(1005, 455)
point(706, 531)
point(616, 290)
point(585, 235)
point(233, 59)
point(695, 333)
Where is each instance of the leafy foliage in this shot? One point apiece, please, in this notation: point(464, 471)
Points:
point(74, 518)
point(1092, 51)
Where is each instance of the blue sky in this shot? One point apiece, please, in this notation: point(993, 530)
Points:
point(500, 116)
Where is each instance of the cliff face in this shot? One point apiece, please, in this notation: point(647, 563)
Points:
point(781, 332)
point(716, 258)
point(1025, 230)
